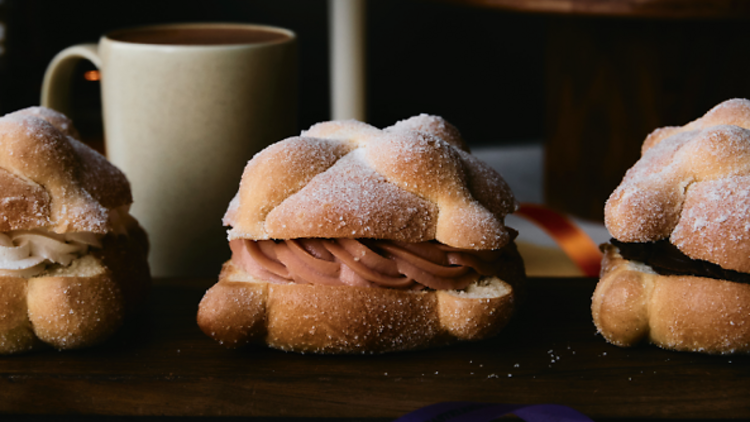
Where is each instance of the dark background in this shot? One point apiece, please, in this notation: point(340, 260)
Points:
point(481, 70)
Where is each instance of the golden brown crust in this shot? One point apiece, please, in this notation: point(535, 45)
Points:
point(80, 186)
point(74, 312)
point(77, 306)
point(412, 182)
point(350, 179)
point(691, 185)
point(51, 181)
point(60, 121)
point(632, 303)
point(341, 319)
point(434, 125)
point(735, 112)
point(715, 223)
point(102, 180)
point(16, 332)
point(23, 204)
point(378, 211)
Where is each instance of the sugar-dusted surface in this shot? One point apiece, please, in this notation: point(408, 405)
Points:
point(633, 304)
point(734, 112)
point(103, 181)
point(57, 119)
point(275, 174)
point(23, 204)
point(715, 224)
point(58, 197)
point(691, 186)
point(69, 186)
point(77, 305)
point(350, 179)
point(161, 364)
point(432, 124)
point(354, 201)
point(341, 319)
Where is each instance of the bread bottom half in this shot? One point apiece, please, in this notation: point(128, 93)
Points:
point(79, 305)
point(632, 303)
point(309, 318)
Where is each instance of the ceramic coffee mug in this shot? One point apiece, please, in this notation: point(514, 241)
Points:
point(185, 107)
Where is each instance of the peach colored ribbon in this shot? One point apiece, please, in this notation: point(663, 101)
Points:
point(572, 239)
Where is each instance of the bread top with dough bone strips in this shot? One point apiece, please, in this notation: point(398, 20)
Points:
point(414, 181)
point(691, 186)
point(50, 180)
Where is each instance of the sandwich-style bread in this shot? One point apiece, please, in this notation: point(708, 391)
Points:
point(53, 186)
point(412, 188)
point(633, 303)
point(241, 309)
point(79, 305)
point(691, 190)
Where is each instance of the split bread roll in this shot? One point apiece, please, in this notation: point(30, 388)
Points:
point(72, 259)
point(632, 303)
point(353, 239)
point(677, 272)
point(241, 309)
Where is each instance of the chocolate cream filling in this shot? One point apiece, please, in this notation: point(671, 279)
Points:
point(666, 259)
point(364, 262)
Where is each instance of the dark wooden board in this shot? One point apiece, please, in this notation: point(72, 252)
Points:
point(161, 364)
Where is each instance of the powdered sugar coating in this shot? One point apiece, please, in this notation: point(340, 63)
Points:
point(350, 179)
point(69, 186)
point(275, 174)
point(23, 205)
point(717, 206)
point(734, 112)
point(632, 303)
point(241, 309)
point(103, 181)
point(434, 125)
point(374, 208)
point(491, 191)
point(692, 187)
point(60, 121)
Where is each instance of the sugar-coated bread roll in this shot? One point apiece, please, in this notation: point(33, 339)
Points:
point(633, 303)
point(72, 259)
point(353, 239)
point(677, 272)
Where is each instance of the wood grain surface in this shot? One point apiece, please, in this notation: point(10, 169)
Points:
point(611, 82)
point(615, 70)
point(161, 364)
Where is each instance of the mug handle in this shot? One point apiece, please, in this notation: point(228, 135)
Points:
point(56, 84)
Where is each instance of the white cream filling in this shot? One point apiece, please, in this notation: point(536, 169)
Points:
point(26, 253)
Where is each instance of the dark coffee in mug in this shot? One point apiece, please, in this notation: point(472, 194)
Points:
point(199, 36)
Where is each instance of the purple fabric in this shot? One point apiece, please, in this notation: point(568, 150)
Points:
point(466, 411)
